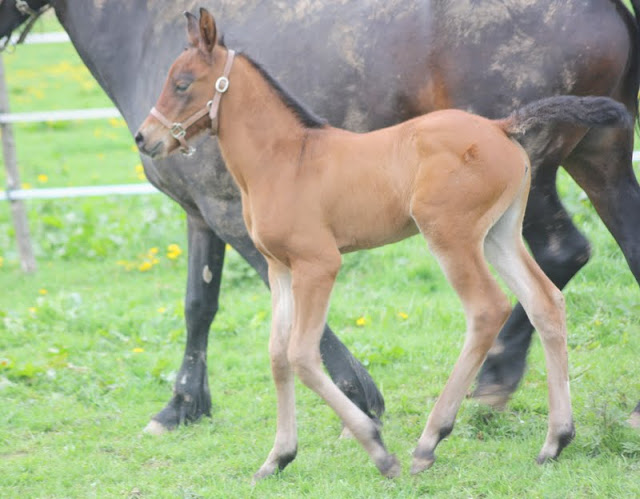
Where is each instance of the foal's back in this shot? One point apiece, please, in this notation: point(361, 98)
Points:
point(369, 188)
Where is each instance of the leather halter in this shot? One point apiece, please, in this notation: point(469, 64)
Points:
point(179, 130)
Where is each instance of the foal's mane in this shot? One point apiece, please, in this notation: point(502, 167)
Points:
point(305, 116)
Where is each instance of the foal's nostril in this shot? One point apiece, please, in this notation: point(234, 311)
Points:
point(139, 139)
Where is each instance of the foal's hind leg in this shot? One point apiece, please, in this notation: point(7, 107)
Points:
point(486, 308)
point(544, 305)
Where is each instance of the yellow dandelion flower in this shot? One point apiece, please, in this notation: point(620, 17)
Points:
point(101, 156)
point(33, 310)
point(361, 321)
point(155, 261)
point(42, 291)
point(144, 266)
point(140, 172)
point(26, 185)
point(173, 251)
point(138, 350)
point(1, 261)
point(134, 148)
point(153, 251)
point(403, 315)
point(227, 247)
point(42, 178)
point(97, 132)
point(162, 310)
point(116, 122)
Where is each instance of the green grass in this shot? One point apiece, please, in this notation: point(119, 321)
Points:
point(90, 345)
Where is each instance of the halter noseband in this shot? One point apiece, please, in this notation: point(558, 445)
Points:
point(179, 130)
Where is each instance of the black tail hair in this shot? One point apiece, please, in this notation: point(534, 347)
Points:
point(571, 109)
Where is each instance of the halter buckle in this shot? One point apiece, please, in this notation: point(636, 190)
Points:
point(177, 131)
point(222, 84)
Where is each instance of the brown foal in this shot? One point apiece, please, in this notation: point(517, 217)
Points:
point(311, 192)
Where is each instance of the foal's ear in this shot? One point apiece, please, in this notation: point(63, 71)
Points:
point(208, 31)
point(193, 30)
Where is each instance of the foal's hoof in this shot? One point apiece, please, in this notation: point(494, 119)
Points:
point(265, 471)
point(422, 461)
point(551, 451)
point(390, 466)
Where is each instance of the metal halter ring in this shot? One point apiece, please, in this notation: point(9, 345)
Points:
point(177, 131)
point(187, 151)
point(222, 84)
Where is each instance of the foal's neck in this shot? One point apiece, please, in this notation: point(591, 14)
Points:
point(258, 133)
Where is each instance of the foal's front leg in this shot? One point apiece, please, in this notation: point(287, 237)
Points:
point(312, 284)
point(286, 442)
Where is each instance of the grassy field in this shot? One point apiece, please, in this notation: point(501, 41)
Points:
point(90, 346)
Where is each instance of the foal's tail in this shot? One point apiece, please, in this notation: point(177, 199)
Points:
point(583, 111)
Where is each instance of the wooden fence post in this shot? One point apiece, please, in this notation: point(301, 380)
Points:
point(18, 212)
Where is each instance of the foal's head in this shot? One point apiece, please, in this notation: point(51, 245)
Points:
point(182, 110)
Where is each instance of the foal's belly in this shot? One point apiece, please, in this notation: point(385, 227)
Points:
point(373, 233)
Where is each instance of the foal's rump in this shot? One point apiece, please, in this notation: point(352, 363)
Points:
point(469, 169)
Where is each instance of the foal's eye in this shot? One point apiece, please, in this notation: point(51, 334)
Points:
point(182, 86)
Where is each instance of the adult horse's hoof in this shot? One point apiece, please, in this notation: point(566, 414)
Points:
point(182, 409)
point(495, 396)
point(156, 429)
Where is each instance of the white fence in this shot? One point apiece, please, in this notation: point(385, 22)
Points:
point(14, 193)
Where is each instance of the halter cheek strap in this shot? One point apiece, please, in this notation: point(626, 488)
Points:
point(179, 130)
point(222, 85)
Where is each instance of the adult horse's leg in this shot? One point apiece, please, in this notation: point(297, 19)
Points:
point(602, 167)
point(191, 397)
point(561, 251)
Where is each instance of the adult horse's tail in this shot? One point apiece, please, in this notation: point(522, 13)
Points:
point(571, 109)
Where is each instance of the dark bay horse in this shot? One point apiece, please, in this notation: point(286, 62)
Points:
point(311, 192)
point(364, 65)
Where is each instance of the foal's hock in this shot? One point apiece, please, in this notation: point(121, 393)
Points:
point(311, 192)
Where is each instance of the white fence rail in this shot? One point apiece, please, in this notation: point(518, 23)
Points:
point(66, 115)
point(14, 193)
